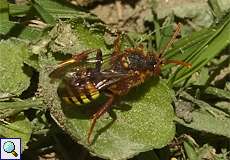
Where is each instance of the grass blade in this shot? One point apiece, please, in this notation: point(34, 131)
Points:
point(208, 50)
point(43, 13)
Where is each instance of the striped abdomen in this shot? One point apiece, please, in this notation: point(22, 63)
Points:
point(80, 94)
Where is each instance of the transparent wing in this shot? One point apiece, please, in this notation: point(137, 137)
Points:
point(88, 59)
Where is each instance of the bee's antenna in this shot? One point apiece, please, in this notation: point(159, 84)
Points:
point(168, 45)
point(178, 62)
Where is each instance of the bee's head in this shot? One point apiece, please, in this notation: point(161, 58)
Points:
point(159, 61)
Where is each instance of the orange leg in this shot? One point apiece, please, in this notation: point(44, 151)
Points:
point(98, 114)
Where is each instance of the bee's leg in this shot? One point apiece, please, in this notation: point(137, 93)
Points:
point(104, 108)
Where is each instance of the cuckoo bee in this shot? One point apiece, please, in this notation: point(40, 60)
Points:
point(86, 77)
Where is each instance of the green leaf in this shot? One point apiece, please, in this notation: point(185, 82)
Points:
point(204, 105)
point(200, 78)
point(27, 33)
point(19, 10)
point(14, 29)
point(218, 92)
point(223, 105)
point(5, 27)
point(4, 11)
point(20, 31)
point(43, 13)
point(11, 108)
point(62, 9)
point(14, 77)
point(57, 9)
point(5, 24)
point(89, 36)
point(190, 151)
point(194, 152)
point(204, 121)
point(20, 128)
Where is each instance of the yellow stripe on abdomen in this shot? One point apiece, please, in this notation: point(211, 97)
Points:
point(83, 96)
point(93, 95)
point(84, 99)
point(71, 100)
